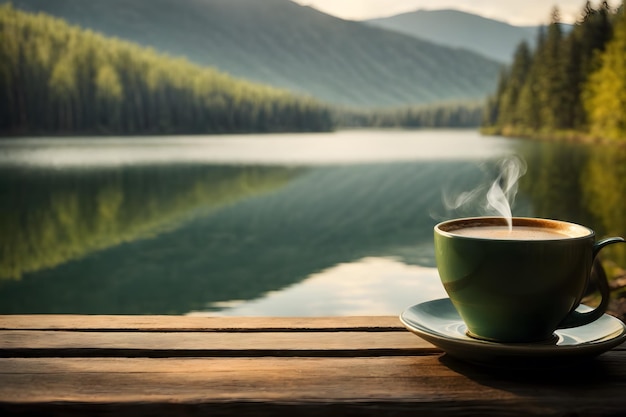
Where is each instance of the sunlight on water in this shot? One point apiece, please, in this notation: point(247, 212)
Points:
point(369, 286)
point(343, 147)
point(289, 224)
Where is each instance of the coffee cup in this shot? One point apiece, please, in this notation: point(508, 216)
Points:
point(519, 284)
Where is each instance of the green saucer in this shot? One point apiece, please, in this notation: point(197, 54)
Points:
point(439, 323)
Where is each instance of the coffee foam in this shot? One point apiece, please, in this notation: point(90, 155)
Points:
point(516, 233)
point(523, 228)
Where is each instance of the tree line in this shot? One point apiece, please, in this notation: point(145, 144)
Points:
point(572, 84)
point(463, 114)
point(58, 79)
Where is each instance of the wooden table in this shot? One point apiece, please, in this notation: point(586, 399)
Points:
point(187, 366)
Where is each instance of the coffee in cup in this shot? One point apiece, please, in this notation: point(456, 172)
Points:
point(519, 284)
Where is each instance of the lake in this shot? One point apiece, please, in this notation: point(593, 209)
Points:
point(268, 225)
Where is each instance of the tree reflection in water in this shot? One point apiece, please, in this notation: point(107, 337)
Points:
point(584, 184)
point(170, 239)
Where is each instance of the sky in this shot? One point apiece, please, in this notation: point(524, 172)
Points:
point(515, 12)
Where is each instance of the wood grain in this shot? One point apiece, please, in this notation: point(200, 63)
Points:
point(193, 366)
point(186, 323)
point(415, 383)
point(29, 343)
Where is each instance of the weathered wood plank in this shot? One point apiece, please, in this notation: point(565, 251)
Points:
point(186, 323)
point(32, 343)
point(165, 365)
point(429, 384)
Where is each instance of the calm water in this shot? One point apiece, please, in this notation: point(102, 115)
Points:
point(304, 224)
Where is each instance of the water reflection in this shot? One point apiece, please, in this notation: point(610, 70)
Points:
point(604, 193)
point(50, 217)
point(352, 235)
point(318, 218)
point(583, 184)
point(368, 286)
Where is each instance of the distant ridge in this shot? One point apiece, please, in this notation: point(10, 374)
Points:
point(491, 38)
point(280, 43)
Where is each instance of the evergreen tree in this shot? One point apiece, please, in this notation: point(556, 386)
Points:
point(56, 78)
point(528, 104)
point(515, 80)
point(543, 90)
point(605, 91)
point(551, 80)
point(586, 41)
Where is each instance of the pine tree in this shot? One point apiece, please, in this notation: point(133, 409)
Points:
point(56, 78)
point(109, 95)
point(587, 40)
point(551, 68)
point(515, 81)
point(528, 104)
point(605, 91)
point(568, 80)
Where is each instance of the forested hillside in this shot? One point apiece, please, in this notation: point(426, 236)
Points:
point(56, 78)
point(467, 114)
point(571, 85)
point(283, 44)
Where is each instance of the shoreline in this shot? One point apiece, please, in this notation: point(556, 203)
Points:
point(567, 136)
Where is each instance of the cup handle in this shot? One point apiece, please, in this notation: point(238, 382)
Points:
point(576, 318)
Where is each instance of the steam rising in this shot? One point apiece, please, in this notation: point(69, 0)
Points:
point(501, 194)
point(497, 198)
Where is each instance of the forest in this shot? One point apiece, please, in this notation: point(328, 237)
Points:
point(462, 114)
point(571, 86)
point(283, 44)
point(60, 79)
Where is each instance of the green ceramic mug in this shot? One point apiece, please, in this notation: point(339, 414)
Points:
point(518, 285)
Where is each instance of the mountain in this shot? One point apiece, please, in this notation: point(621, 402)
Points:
point(491, 38)
point(59, 78)
point(283, 44)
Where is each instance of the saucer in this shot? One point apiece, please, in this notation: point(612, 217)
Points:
point(438, 322)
